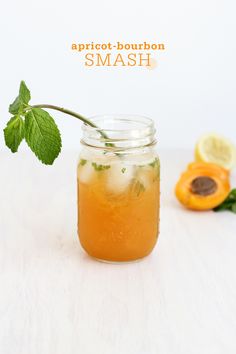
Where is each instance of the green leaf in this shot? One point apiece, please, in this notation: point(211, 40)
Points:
point(21, 100)
point(232, 195)
point(14, 133)
point(229, 203)
point(156, 166)
point(42, 135)
point(100, 167)
point(154, 163)
point(223, 206)
point(233, 208)
point(82, 162)
point(137, 187)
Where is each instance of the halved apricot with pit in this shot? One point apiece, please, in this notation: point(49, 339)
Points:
point(203, 186)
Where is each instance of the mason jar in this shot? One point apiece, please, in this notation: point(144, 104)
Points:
point(118, 188)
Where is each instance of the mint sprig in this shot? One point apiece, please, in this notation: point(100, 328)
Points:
point(229, 203)
point(37, 127)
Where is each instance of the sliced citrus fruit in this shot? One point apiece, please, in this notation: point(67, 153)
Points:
point(216, 149)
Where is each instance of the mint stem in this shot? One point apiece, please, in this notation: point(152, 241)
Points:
point(74, 114)
point(66, 111)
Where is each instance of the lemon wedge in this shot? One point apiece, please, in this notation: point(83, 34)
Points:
point(216, 149)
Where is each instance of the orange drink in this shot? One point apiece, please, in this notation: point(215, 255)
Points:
point(118, 200)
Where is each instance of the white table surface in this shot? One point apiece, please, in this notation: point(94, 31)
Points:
point(55, 299)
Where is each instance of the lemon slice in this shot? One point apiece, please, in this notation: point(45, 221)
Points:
point(216, 149)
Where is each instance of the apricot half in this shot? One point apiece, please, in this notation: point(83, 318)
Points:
point(203, 186)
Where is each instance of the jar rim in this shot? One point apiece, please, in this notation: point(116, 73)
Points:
point(119, 130)
point(128, 118)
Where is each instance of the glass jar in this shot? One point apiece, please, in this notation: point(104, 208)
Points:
point(118, 188)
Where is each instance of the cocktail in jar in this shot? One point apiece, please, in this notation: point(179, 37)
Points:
point(118, 188)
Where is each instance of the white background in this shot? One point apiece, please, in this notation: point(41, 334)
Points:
point(55, 299)
point(192, 90)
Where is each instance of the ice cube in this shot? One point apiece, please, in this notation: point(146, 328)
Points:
point(119, 177)
point(143, 178)
point(141, 159)
point(85, 172)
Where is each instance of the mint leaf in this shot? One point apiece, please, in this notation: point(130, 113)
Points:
point(14, 133)
point(156, 166)
point(233, 208)
point(82, 162)
point(42, 135)
point(137, 187)
point(100, 167)
point(153, 163)
point(21, 100)
point(229, 203)
point(232, 195)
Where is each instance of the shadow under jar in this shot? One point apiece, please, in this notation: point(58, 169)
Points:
point(118, 188)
